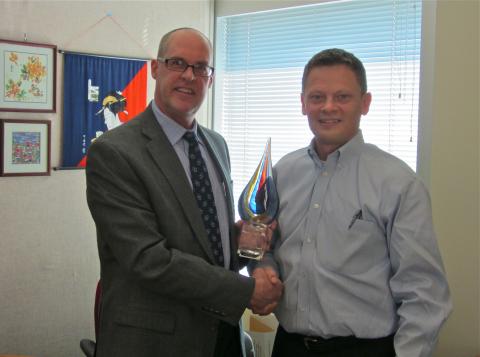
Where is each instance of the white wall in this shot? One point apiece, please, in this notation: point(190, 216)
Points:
point(448, 151)
point(48, 256)
point(234, 7)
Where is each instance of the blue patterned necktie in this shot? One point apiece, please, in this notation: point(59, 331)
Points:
point(202, 189)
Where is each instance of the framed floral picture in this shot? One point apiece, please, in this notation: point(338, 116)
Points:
point(24, 147)
point(27, 76)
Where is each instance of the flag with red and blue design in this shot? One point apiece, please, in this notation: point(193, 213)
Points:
point(100, 93)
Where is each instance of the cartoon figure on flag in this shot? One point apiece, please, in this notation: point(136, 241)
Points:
point(100, 93)
point(112, 105)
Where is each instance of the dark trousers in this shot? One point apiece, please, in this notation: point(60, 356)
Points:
point(295, 345)
point(228, 341)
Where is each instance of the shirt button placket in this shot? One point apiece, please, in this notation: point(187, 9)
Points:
point(309, 249)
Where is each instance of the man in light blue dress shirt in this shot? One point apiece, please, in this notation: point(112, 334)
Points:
point(356, 248)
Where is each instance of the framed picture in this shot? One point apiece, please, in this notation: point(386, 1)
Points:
point(27, 77)
point(25, 147)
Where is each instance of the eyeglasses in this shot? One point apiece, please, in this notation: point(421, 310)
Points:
point(180, 65)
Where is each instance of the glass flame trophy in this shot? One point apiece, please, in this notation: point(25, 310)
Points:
point(258, 207)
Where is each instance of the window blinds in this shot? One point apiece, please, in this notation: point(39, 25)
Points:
point(259, 64)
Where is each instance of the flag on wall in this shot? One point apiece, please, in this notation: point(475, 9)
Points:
point(100, 93)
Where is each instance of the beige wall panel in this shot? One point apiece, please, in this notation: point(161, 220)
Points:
point(454, 169)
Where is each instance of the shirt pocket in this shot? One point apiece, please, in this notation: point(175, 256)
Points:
point(353, 250)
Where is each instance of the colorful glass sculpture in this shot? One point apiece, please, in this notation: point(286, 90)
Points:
point(259, 199)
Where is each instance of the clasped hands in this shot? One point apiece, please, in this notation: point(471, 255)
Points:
point(267, 292)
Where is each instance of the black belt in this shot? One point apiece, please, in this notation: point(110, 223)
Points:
point(320, 344)
point(338, 343)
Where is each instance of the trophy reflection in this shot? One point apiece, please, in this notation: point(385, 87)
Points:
point(258, 207)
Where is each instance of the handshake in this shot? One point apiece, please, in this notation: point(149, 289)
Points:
point(268, 287)
point(267, 292)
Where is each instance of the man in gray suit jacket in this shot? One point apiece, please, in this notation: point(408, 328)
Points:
point(164, 294)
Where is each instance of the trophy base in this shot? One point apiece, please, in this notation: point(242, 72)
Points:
point(255, 254)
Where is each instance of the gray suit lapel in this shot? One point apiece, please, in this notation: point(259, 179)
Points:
point(166, 159)
point(225, 175)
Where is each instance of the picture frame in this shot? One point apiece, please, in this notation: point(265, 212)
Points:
point(24, 147)
point(27, 77)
